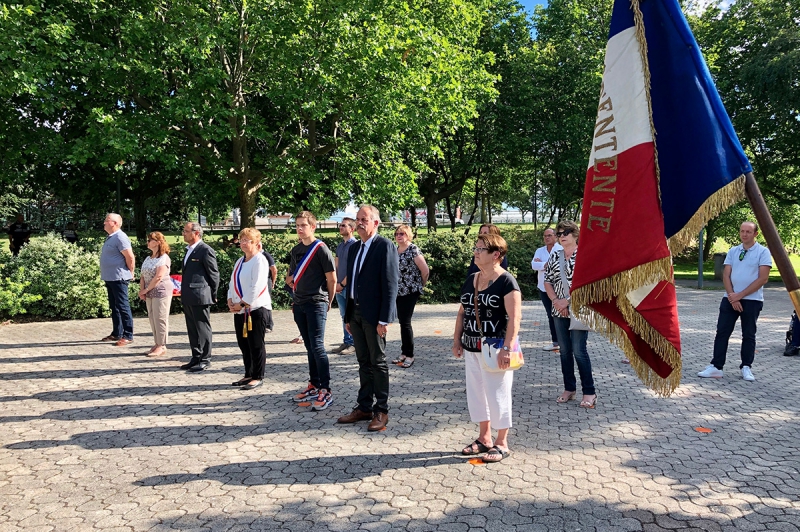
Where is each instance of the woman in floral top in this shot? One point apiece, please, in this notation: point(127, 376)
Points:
point(155, 288)
point(413, 276)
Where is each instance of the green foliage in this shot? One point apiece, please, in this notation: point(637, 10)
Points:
point(448, 256)
point(521, 247)
point(13, 298)
point(64, 276)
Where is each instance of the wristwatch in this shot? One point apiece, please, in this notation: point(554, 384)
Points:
point(505, 348)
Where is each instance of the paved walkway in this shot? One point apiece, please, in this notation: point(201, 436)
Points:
point(98, 437)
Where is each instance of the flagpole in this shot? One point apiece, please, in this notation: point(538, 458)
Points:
point(773, 239)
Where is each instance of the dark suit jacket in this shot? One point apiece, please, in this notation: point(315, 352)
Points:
point(200, 277)
point(376, 282)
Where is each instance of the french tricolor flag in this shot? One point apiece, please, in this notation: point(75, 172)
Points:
point(664, 160)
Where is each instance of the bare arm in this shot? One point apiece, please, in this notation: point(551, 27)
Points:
point(560, 304)
point(330, 279)
point(513, 304)
point(130, 260)
point(419, 260)
point(273, 275)
point(763, 277)
point(458, 351)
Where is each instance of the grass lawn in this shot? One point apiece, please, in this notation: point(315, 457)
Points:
point(689, 271)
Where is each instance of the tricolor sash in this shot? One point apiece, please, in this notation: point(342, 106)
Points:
point(302, 266)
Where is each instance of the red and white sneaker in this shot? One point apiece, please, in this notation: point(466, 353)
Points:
point(323, 400)
point(306, 394)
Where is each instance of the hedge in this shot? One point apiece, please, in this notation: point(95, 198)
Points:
point(52, 278)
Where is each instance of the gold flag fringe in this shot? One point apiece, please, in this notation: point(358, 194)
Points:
point(721, 200)
point(618, 286)
point(638, 21)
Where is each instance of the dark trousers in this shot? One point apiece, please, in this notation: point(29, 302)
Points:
point(725, 324)
point(373, 371)
point(548, 308)
point(198, 326)
point(572, 347)
point(310, 319)
point(254, 353)
point(121, 317)
point(405, 311)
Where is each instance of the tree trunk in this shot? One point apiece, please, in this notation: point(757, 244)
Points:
point(247, 203)
point(413, 214)
point(140, 216)
point(430, 204)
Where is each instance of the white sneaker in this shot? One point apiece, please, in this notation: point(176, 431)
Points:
point(711, 373)
point(553, 347)
point(747, 374)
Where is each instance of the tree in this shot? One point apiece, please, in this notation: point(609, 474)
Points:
point(567, 61)
point(753, 52)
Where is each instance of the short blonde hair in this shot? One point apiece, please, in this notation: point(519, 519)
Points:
point(250, 233)
point(309, 216)
point(406, 230)
point(493, 229)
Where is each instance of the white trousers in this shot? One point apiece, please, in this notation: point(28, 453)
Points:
point(488, 393)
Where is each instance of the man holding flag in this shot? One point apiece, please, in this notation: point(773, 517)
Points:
point(312, 277)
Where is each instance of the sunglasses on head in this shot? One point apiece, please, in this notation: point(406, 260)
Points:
point(564, 233)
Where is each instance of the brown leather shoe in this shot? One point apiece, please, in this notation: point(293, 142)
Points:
point(379, 421)
point(122, 342)
point(110, 338)
point(355, 415)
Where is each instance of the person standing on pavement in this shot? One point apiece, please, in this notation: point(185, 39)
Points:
point(414, 273)
point(745, 272)
point(371, 284)
point(540, 258)
point(312, 278)
point(116, 270)
point(346, 229)
point(250, 302)
point(155, 289)
point(198, 292)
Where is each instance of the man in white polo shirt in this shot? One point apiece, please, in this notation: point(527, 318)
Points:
point(540, 258)
point(745, 273)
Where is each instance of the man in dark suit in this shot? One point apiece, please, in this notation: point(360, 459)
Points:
point(371, 288)
point(198, 292)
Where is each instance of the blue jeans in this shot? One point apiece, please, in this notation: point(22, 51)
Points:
point(572, 345)
point(341, 300)
point(548, 308)
point(121, 317)
point(725, 324)
point(310, 319)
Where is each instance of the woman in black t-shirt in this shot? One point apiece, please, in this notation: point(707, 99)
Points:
point(500, 306)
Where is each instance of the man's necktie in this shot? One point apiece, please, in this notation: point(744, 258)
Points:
point(356, 270)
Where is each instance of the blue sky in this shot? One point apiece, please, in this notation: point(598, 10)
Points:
point(530, 4)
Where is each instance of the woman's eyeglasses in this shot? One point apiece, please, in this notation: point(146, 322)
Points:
point(477, 249)
point(565, 232)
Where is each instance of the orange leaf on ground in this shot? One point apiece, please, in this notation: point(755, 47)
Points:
point(703, 430)
point(476, 461)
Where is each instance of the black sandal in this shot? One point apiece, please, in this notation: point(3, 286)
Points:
point(242, 382)
point(470, 450)
point(497, 453)
point(407, 363)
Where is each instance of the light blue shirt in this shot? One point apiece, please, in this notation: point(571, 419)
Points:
point(745, 271)
point(112, 262)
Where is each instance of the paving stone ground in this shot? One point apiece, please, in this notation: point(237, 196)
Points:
point(95, 437)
